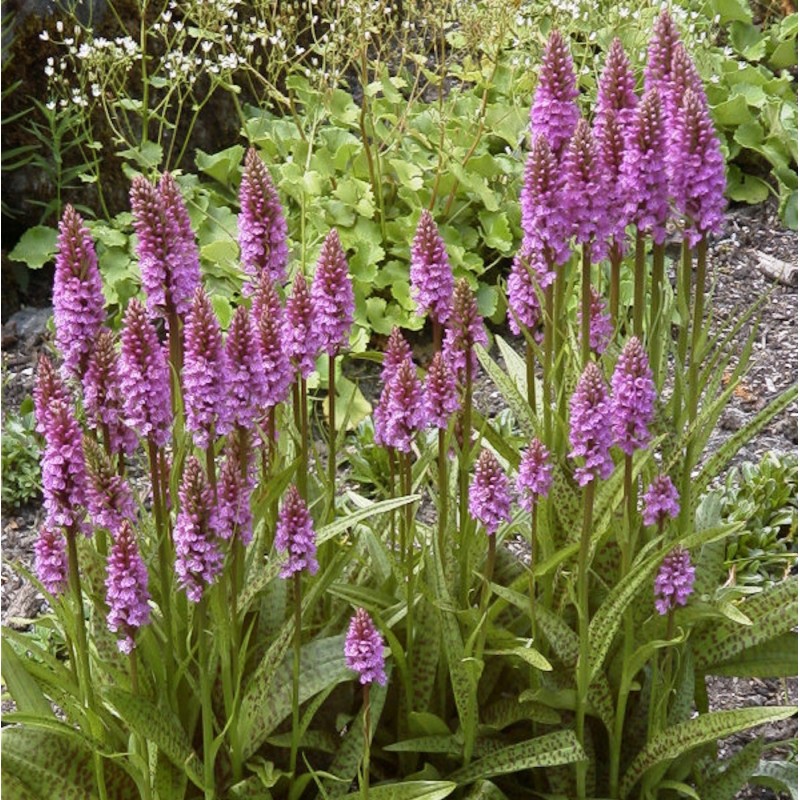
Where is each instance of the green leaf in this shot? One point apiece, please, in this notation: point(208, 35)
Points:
point(780, 776)
point(222, 166)
point(157, 725)
point(23, 688)
point(528, 654)
point(408, 790)
point(730, 10)
point(737, 771)
point(733, 112)
point(356, 194)
point(147, 156)
point(496, 231)
point(677, 740)
point(49, 765)
point(36, 247)
point(450, 744)
point(745, 188)
point(789, 215)
point(507, 388)
point(321, 665)
point(550, 750)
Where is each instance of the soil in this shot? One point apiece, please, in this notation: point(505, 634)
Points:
point(743, 262)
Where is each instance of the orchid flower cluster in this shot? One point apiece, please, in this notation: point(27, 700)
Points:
point(221, 418)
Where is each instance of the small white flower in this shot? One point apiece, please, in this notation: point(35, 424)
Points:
point(206, 45)
point(714, 78)
point(44, 36)
point(59, 26)
point(51, 104)
point(48, 70)
point(95, 90)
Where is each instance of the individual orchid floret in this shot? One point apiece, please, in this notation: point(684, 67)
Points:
point(397, 351)
point(363, 649)
point(102, 396)
point(585, 192)
point(601, 329)
point(235, 485)
point(332, 296)
point(108, 496)
point(404, 412)
point(489, 496)
point(246, 392)
point(666, 38)
point(675, 581)
point(144, 377)
point(78, 302)
point(262, 225)
point(198, 558)
point(609, 132)
point(698, 169)
point(301, 336)
point(660, 501)
point(529, 272)
point(544, 224)
point(126, 588)
point(441, 393)
point(295, 536)
point(590, 434)
point(48, 390)
point(431, 273)
point(168, 256)
point(535, 475)
point(63, 468)
point(554, 112)
point(633, 396)
point(644, 169)
point(616, 88)
point(50, 563)
point(464, 330)
point(205, 370)
point(268, 313)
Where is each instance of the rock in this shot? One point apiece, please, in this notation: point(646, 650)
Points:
point(776, 269)
point(28, 322)
point(732, 419)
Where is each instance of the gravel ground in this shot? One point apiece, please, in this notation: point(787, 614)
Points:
point(743, 261)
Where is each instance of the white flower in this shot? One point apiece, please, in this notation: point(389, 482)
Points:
point(59, 26)
point(206, 45)
point(44, 36)
point(48, 70)
point(51, 104)
point(84, 51)
point(95, 90)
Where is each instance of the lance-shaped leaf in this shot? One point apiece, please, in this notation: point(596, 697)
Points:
point(505, 385)
point(409, 790)
point(675, 741)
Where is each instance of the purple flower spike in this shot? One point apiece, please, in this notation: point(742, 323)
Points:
point(431, 274)
point(554, 112)
point(246, 391)
point(609, 132)
point(585, 191)
point(660, 501)
point(590, 434)
point(144, 377)
point(108, 496)
point(544, 225)
point(601, 328)
point(698, 169)
point(528, 271)
point(78, 302)
point(683, 77)
point(633, 397)
point(441, 394)
point(616, 89)
point(489, 497)
point(268, 312)
point(48, 390)
point(295, 536)
point(166, 247)
point(674, 581)
point(404, 411)
point(665, 40)
point(205, 371)
point(332, 296)
point(198, 559)
point(262, 225)
point(535, 475)
point(63, 468)
point(363, 649)
point(102, 395)
point(301, 335)
point(644, 169)
point(464, 330)
point(51, 560)
point(233, 492)
point(126, 589)
point(397, 351)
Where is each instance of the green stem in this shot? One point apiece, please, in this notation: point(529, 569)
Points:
point(559, 338)
point(616, 267)
point(583, 629)
point(365, 138)
point(463, 478)
point(205, 691)
point(586, 302)
point(531, 376)
point(532, 577)
point(393, 520)
point(443, 491)
point(298, 614)
point(697, 328)
point(638, 286)
point(405, 466)
point(684, 293)
point(486, 594)
point(141, 741)
point(304, 436)
point(657, 329)
point(367, 737)
point(547, 362)
point(332, 437)
point(211, 465)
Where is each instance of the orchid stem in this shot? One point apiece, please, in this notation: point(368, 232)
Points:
point(298, 614)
